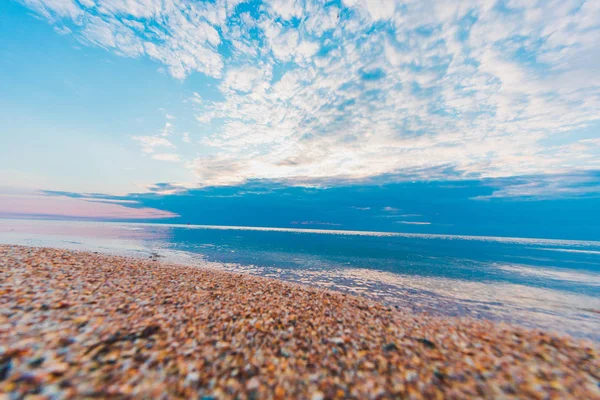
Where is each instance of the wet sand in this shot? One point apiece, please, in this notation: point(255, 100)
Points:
point(76, 324)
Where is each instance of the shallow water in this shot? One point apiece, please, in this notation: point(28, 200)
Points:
point(550, 284)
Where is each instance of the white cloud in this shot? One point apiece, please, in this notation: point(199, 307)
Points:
point(319, 19)
point(572, 185)
point(167, 129)
point(172, 157)
point(375, 9)
point(286, 9)
point(380, 87)
point(53, 10)
point(88, 3)
point(245, 79)
point(114, 35)
point(307, 49)
point(181, 35)
point(62, 30)
point(284, 44)
point(150, 143)
point(436, 100)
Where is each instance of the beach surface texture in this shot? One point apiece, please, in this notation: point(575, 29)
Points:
point(83, 325)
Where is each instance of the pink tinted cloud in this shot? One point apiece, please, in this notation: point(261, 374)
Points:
point(62, 206)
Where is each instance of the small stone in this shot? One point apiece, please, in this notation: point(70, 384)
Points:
point(197, 333)
point(279, 392)
point(337, 340)
point(5, 367)
point(63, 304)
point(317, 396)
point(427, 343)
point(36, 362)
point(58, 368)
point(253, 384)
point(410, 376)
point(390, 347)
point(193, 377)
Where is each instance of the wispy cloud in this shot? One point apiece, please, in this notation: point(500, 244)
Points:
point(572, 185)
point(172, 157)
point(151, 143)
point(367, 88)
point(164, 188)
point(168, 128)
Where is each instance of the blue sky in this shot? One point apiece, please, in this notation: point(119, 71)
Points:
point(140, 100)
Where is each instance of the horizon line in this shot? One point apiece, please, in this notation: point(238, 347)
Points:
point(505, 239)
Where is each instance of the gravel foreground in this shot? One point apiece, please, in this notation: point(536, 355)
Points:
point(82, 325)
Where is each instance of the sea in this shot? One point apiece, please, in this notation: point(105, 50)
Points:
point(539, 283)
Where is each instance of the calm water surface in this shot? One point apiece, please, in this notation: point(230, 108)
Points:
point(550, 284)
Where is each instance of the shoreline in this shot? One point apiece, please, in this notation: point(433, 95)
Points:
point(348, 232)
point(528, 294)
point(79, 324)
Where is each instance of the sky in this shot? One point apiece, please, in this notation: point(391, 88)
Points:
point(468, 117)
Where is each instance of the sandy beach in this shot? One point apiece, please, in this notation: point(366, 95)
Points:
point(86, 325)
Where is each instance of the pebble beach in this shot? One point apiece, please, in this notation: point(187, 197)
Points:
point(87, 325)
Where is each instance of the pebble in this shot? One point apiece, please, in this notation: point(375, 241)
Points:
point(83, 325)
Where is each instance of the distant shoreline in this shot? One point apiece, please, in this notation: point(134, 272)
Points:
point(504, 239)
point(85, 324)
point(510, 299)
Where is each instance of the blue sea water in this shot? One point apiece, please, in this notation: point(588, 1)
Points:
point(539, 283)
